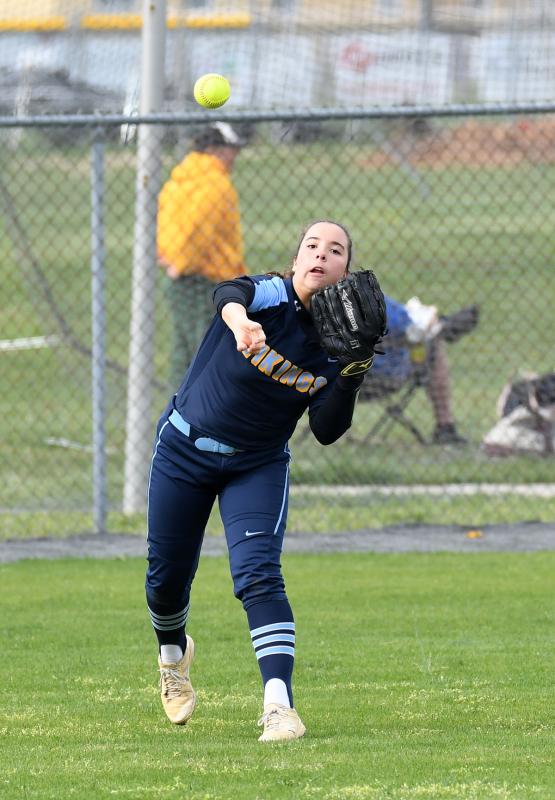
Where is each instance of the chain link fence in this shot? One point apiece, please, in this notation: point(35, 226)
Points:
point(455, 209)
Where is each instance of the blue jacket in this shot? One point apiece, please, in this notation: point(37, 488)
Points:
point(396, 362)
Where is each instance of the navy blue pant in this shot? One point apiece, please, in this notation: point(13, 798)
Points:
point(252, 488)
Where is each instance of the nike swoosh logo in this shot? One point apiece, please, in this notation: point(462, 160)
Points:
point(253, 533)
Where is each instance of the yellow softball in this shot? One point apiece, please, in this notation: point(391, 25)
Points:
point(212, 90)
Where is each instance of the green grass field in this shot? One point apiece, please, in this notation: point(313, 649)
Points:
point(421, 677)
point(479, 235)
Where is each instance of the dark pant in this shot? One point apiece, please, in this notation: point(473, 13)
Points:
point(252, 488)
point(189, 301)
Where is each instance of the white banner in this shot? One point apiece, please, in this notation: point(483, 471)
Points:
point(514, 67)
point(401, 68)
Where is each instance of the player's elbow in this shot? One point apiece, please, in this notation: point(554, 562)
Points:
point(328, 436)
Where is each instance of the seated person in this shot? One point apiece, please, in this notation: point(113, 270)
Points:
point(413, 325)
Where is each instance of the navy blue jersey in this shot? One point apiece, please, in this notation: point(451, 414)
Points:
point(255, 401)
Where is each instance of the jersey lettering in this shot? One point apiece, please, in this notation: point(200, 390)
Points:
point(256, 359)
point(281, 369)
point(304, 382)
point(287, 373)
point(291, 376)
point(318, 384)
point(272, 359)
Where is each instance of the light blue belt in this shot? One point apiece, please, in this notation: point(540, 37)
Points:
point(204, 442)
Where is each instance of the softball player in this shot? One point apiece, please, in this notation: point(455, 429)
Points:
point(225, 434)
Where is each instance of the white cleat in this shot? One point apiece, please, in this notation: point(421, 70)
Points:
point(178, 696)
point(281, 724)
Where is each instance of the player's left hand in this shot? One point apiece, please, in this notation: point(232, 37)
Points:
point(350, 317)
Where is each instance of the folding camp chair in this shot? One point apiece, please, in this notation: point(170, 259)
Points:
point(395, 397)
point(395, 394)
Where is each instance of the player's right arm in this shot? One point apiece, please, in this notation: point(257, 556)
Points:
point(249, 335)
point(232, 298)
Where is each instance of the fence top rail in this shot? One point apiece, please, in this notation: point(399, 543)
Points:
point(315, 114)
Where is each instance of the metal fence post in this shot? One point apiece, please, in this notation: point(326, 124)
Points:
point(141, 345)
point(98, 310)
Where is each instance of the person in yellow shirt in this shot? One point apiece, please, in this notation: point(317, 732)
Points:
point(199, 238)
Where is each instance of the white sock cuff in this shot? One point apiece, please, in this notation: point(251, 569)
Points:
point(170, 653)
point(275, 691)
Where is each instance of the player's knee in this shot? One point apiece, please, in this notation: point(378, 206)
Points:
point(256, 568)
point(261, 591)
point(165, 599)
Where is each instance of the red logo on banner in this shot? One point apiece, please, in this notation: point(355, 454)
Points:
point(356, 57)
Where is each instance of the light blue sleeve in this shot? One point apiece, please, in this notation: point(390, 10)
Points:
point(268, 292)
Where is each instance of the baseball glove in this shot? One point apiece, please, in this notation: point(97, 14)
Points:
point(351, 319)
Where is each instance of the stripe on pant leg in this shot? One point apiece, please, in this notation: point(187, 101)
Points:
point(285, 490)
point(167, 422)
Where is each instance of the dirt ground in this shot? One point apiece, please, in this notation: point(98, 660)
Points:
point(523, 537)
point(475, 142)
